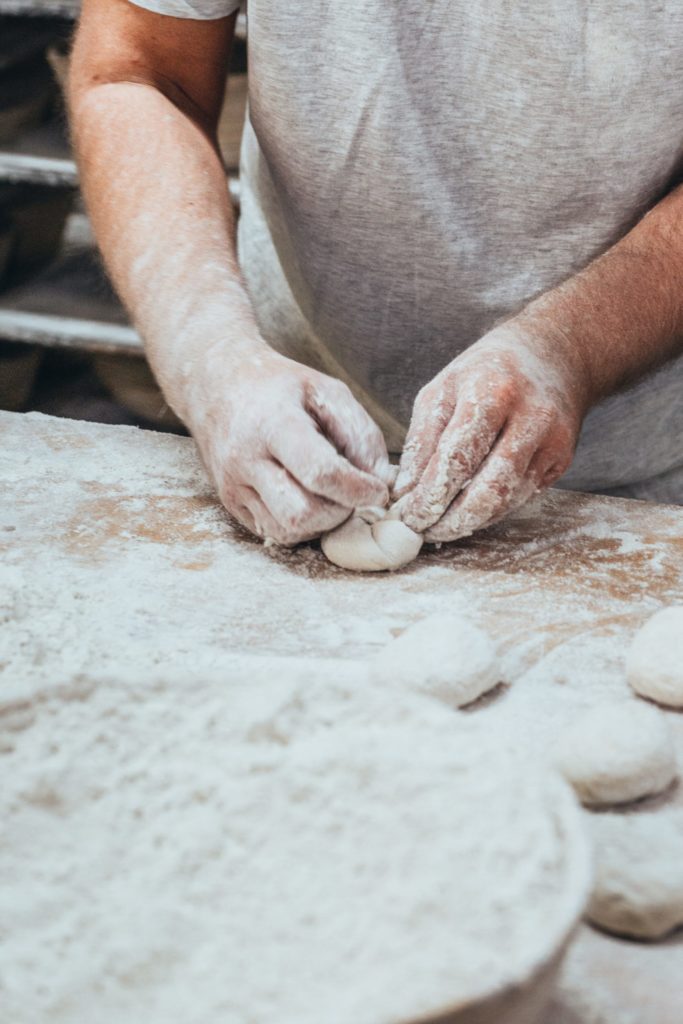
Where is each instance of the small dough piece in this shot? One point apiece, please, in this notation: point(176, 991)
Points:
point(444, 656)
point(615, 753)
point(366, 543)
point(638, 888)
point(654, 665)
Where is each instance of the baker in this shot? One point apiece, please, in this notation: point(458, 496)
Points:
point(461, 237)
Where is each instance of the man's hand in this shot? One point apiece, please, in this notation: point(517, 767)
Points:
point(498, 423)
point(290, 450)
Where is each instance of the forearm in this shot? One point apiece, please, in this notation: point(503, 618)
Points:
point(623, 315)
point(158, 200)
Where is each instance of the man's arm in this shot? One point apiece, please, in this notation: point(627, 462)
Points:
point(289, 449)
point(503, 419)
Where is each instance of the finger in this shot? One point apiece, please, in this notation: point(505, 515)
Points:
point(295, 514)
point(457, 524)
point(502, 484)
point(319, 468)
point(547, 468)
point(431, 415)
point(244, 517)
point(350, 428)
point(251, 512)
point(462, 448)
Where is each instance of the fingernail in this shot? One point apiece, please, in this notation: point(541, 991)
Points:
point(411, 520)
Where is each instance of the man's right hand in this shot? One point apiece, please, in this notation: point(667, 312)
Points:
point(290, 450)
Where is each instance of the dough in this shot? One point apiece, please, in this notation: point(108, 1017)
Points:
point(654, 665)
point(638, 888)
point(372, 541)
point(444, 656)
point(616, 753)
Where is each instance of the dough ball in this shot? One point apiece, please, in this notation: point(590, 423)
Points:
point(638, 888)
point(618, 752)
point(366, 544)
point(654, 664)
point(444, 656)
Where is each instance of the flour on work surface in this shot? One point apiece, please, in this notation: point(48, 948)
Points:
point(226, 851)
point(131, 572)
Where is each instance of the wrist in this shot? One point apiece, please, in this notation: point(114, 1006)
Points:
point(220, 370)
point(558, 345)
point(202, 368)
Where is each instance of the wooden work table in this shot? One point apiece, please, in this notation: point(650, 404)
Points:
point(115, 557)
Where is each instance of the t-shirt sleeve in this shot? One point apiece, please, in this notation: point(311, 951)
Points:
point(198, 10)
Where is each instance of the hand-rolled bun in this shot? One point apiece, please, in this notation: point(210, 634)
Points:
point(444, 656)
point(654, 665)
point(615, 753)
point(638, 888)
point(368, 543)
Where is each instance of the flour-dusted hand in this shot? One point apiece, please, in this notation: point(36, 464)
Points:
point(289, 449)
point(498, 423)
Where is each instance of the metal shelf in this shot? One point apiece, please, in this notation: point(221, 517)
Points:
point(40, 156)
point(68, 332)
point(42, 8)
point(70, 304)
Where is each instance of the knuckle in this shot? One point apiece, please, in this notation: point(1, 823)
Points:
point(321, 478)
point(505, 393)
point(542, 419)
point(563, 439)
point(560, 466)
point(429, 393)
point(338, 390)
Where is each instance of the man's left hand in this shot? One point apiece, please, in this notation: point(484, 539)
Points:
point(497, 424)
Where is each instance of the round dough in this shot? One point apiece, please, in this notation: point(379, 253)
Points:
point(616, 753)
point(654, 664)
point(372, 541)
point(444, 656)
point(638, 889)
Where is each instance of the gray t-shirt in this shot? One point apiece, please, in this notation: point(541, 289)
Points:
point(413, 172)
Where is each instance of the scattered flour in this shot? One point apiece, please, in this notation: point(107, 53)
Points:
point(193, 853)
point(132, 572)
